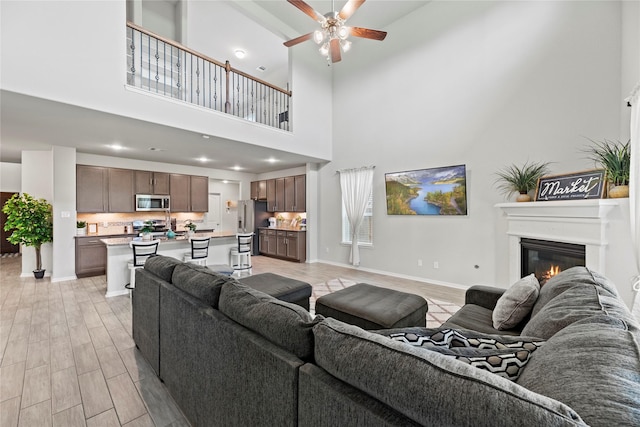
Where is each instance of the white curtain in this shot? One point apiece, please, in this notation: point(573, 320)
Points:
point(634, 189)
point(356, 187)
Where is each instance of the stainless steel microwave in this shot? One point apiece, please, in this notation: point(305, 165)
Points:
point(152, 202)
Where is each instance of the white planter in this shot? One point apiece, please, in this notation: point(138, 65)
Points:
point(81, 231)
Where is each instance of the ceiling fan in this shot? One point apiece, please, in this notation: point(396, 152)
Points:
point(332, 37)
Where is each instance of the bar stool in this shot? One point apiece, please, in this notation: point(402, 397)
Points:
point(199, 251)
point(142, 250)
point(240, 256)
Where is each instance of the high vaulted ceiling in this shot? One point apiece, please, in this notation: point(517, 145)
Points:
point(29, 123)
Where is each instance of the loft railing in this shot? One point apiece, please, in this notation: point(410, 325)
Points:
point(164, 67)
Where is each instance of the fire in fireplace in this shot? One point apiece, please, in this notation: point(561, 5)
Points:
point(546, 259)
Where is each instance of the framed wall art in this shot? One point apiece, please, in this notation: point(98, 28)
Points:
point(433, 191)
point(572, 186)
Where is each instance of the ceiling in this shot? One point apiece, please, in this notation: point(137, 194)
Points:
point(29, 123)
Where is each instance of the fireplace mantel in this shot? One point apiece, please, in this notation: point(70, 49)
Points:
point(581, 222)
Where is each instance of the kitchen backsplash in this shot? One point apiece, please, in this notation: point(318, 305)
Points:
point(113, 223)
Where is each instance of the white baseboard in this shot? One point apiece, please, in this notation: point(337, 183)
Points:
point(64, 279)
point(116, 293)
point(402, 276)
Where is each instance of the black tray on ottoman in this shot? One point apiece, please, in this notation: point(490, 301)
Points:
point(283, 288)
point(373, 307)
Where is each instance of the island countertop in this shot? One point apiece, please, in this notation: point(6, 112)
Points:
point(114, 241)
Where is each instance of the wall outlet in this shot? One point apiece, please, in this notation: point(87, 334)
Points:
point(419, 263)
point(65, 214)
point(105, 224)
point(436, 264)
point(326, 250)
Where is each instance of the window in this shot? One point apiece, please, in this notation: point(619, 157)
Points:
point(365, 236)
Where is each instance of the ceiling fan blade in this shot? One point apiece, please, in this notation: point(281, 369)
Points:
point(316, 16)
point(350, 8)
point(367, 33)
point(297, 40)
point(335, 50)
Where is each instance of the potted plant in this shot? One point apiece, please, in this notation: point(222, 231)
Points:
point(31, 222)
point(615, 158)
point(147, 228)
point(190, 226)
point(81, 228)
point(521, 179)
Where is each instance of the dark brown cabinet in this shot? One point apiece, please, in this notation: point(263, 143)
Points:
point(295, 193)
point(92, 192)
point(91, 256)
point(121, 190)
point(179, 190)
point(285, 244)
point(199, 194)
point(259, 190)
point(147, 182)
point(288, 194)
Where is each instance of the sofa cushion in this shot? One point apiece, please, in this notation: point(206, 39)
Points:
point(414, 382)
point(477, 318)
point(503, 356)
point(516, 303)
point(567, 279)
point(285, 324)
point(593, 366)
point(161, 266)
point(200, 282)
point(581, 301)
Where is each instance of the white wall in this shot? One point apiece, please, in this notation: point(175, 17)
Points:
point(10, 177)
point(64, 213)
point(485, 84)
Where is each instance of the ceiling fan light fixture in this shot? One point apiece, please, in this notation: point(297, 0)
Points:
point(318, 36)
point(324, 49)
point(346, 45)
point(343, 32)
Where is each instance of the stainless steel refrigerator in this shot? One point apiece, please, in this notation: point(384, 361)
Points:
point(251, 215)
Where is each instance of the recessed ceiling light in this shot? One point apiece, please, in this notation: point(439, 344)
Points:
point(205, 136)
point(224, 181)
point(203, 159)
point(272, 160)
point(237, 168)
point(240, 53)
point(262, 68)
point(116, 147)
point(155, 149)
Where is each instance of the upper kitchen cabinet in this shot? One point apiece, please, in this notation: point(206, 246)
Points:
point(189, 193)
point(199, 194)
point(295, 193)
point(275, 195)
point(148, 182)
point(179, 190)
point(92, 189)
point(259, 190)
point(121, 190)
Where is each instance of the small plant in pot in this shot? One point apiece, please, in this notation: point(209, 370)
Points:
point(81, 228)
point(521, 179)
point(190, 227)
point(31, 222)
point(147, 228)
point(615, 158)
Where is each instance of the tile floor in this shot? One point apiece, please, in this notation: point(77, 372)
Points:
point(67, 357)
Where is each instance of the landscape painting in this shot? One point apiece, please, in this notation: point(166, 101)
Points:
point(435, 191)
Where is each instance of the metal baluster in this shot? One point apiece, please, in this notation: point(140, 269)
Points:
point(157, 66)
point(179, 80)
point(197, 80)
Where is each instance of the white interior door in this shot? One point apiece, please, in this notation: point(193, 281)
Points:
point(214, 215)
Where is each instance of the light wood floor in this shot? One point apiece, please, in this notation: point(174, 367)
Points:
point(67, 357)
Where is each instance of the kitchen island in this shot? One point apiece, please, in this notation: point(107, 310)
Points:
point(119, 254)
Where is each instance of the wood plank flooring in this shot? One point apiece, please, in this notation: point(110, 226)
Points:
point(67, 357)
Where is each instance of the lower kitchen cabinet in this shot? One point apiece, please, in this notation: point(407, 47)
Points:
point(285, 244)
point(91, 256)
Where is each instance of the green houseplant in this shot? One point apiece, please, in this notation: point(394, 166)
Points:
point(81, 228)
point(521, 179)
point(31, 222)
point(190, 226)
point(615, 158)
point(147, 228)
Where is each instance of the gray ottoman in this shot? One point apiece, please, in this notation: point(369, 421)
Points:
point(373, 307)
point(283, 288)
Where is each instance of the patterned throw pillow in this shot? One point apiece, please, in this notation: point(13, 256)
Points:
point(503, 356)
point(516, 303)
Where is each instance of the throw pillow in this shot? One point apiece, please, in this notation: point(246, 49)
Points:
point(516, 303)
point(503, 356)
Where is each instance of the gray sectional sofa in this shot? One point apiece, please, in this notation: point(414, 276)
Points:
point(234, 356)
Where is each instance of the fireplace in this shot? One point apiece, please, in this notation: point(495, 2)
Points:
point(547, 258)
